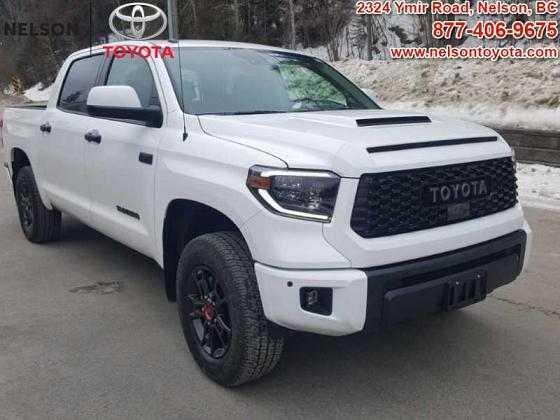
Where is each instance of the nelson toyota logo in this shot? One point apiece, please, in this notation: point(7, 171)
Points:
point(135, 19)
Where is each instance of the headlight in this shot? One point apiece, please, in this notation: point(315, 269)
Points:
point(302, 194)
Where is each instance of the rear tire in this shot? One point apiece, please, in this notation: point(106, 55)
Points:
point(221, 311)
point(38, 223)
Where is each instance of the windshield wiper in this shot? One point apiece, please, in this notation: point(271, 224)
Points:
point(245, 112)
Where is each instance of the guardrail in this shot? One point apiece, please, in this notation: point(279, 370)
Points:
point(533, 146)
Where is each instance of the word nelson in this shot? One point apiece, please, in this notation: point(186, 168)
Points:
point(39, 29)
point(121, 51)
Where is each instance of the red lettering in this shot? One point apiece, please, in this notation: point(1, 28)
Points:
point(119, 52)
point(167, 52)
point(131, 50)
point(144, 52)
point(546, 7)
point(156, 49)
point(108, 49)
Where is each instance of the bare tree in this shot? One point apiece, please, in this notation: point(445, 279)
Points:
point(292, 13)
point(369, 35)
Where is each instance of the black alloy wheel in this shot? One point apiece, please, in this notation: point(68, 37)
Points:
point(221, 311)
point(209, 313)
point(38, 223)
point(25, 205)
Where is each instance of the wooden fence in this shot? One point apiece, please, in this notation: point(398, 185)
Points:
point(534, 146)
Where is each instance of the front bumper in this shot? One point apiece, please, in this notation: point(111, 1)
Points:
point(280, 295)
point(371, 299)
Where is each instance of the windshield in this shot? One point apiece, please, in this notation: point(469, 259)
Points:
point(233, 81)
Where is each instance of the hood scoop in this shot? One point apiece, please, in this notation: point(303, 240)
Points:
point(376, 122)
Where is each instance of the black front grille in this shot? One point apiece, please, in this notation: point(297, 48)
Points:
point(391, 203)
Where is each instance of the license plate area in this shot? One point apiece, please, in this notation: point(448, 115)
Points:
point(465, 290)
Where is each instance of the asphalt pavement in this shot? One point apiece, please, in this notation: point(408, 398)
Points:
point(86, 333)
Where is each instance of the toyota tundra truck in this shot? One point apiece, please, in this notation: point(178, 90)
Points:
point(274, 193)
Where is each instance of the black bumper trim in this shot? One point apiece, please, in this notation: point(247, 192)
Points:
point(402, 291)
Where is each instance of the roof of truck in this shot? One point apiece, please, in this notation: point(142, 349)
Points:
point(196, 43)
point(218, 44)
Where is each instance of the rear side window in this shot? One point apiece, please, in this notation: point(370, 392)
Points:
point(81, 77)
point(134, 72)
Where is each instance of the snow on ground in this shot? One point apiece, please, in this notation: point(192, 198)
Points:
point(38, 93)
point(539, 182)
point(506, 93)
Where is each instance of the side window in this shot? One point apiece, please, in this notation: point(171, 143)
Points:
point(134, 72)
point(80, 78)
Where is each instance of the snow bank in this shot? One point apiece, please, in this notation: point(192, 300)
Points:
point(9, 91)
point(539, 181)
point(38, 93)
point(507, 93)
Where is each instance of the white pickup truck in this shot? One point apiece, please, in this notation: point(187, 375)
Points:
point(274, 193)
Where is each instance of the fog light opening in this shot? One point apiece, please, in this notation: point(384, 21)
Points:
point(318, 300)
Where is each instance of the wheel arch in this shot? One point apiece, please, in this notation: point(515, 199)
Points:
point(18, 159)
point(184, 221)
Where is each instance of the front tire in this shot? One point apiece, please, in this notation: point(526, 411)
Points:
point(38, 223)
point(221, 311)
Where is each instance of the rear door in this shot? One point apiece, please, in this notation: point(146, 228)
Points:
point(121, 168)
point(62, 144)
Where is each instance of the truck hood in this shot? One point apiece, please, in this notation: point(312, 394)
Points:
point(338, 141)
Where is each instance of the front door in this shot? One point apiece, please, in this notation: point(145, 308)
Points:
point(121, 161)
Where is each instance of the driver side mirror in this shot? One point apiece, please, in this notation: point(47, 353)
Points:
point(122, 103)
point(371, 93)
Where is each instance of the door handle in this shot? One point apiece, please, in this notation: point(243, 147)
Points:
point(45, 128)
point(93, 136)
point(146, 158)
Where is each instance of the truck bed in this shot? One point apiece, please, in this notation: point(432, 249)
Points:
point(21, 127)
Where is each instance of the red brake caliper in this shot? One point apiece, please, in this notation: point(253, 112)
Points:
point(207, 311)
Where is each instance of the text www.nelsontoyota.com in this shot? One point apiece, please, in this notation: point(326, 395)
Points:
point(505, 30)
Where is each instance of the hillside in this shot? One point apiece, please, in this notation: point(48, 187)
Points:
point(507, 93)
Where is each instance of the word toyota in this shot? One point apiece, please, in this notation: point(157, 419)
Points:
point(459, 191)
point(145, 51)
